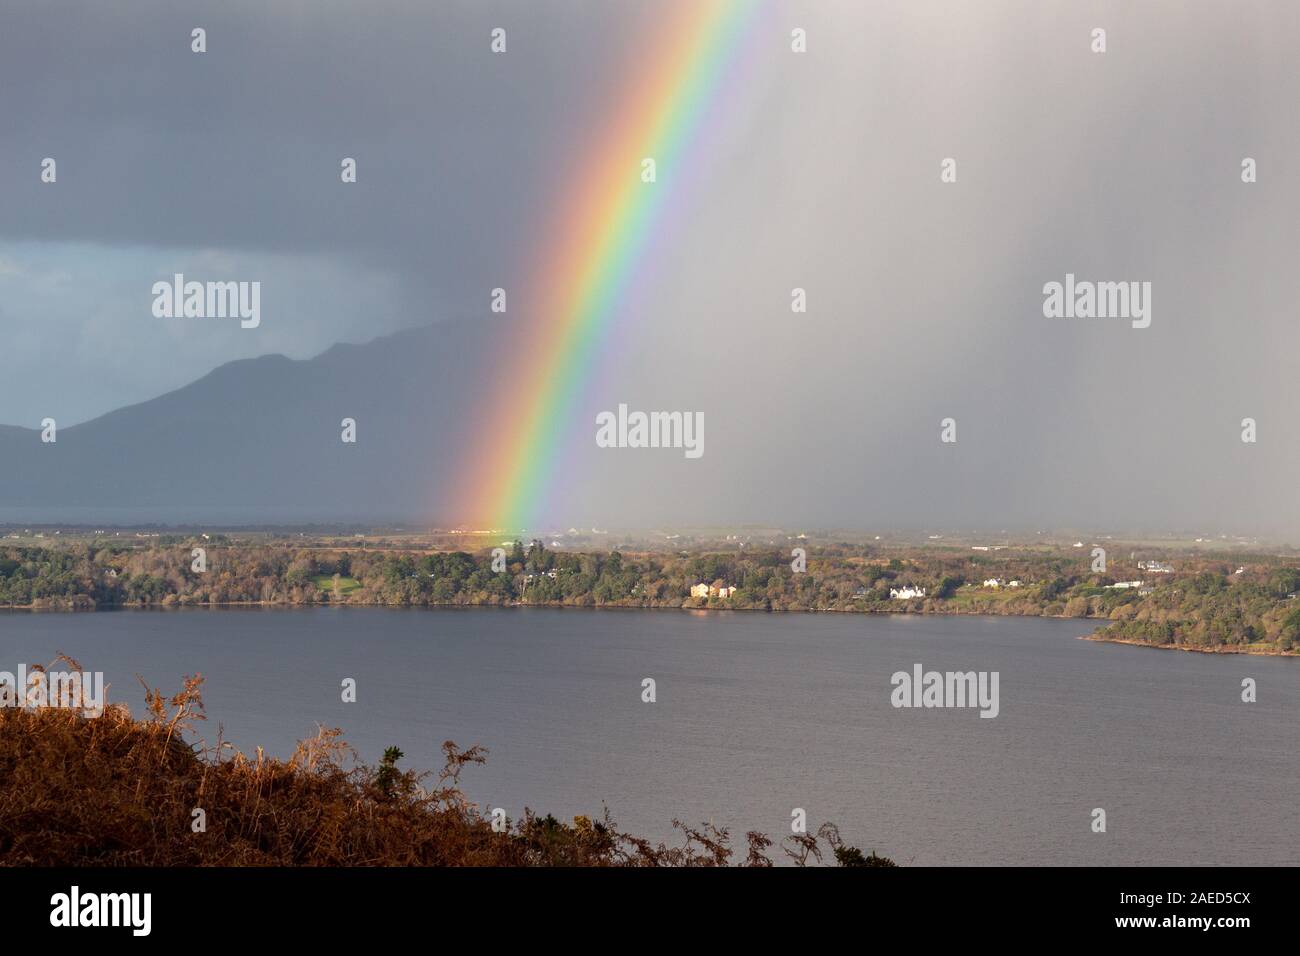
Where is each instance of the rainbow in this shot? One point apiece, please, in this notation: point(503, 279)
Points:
point(596, 238)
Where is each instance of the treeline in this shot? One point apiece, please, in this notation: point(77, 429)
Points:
point(1208, 611)
point(1205, 603)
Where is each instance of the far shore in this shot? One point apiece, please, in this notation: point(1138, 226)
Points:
point(65, 607)
point(1249, 650)
point(1094, 636)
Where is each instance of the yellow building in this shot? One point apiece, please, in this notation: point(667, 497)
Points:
point(712, 590)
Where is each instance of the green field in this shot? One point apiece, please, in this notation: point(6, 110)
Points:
point(326, 583)
point(984, 596)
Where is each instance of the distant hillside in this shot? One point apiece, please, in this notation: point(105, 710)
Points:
point(259, 439)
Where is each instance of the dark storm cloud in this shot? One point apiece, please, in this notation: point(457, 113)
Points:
point(240, 146)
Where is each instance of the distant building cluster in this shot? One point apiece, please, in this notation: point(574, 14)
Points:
point(906, 592)
point(717, 589)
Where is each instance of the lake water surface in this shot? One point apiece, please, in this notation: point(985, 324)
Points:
point(756, 714)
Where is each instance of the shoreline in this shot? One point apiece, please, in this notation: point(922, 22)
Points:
point(201, 605)
point(1095, 636)
point(1223, 649)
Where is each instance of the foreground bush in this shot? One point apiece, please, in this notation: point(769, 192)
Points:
point(113, 790)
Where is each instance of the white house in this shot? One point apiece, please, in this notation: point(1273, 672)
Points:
point(1124, 584)
point(992, 583)
point(905, 593)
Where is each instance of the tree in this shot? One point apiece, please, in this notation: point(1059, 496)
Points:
point(948, 587)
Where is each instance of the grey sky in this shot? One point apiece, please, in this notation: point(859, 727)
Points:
point(819, 171)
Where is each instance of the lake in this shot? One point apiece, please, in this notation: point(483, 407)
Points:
point(756, 714)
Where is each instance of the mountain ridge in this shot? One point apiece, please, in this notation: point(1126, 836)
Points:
point(260, 438)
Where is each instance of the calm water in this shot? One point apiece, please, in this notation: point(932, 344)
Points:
point(757, 714)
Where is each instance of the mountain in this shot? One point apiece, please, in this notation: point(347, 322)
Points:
point(258, 440)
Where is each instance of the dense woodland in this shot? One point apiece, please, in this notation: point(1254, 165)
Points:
point(1205, 602)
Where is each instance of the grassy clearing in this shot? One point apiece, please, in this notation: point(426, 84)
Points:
point(326, 583)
